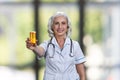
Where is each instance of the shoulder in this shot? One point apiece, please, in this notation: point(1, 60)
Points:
point(44, 44)
point(75, 42)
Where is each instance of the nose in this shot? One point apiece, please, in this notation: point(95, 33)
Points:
point(60, 25)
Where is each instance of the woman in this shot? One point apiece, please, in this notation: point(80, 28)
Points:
point(64, 58)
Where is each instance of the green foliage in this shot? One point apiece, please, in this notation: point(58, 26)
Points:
point(44, 17)
point(58, 0)
point(93, 25)
point(22, 0)
point(24, 23)
point(20, 56)
point(4, 47)
point(4, 60)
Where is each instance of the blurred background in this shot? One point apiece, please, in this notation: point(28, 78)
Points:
point(95, 24)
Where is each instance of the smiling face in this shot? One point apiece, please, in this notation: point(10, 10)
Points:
point(60, 26)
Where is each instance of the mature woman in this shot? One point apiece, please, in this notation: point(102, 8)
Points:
point(64, 57)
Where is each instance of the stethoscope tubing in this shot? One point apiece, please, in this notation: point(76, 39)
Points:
point(50, 43)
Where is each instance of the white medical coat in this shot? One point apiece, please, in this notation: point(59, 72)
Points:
point(62, 65)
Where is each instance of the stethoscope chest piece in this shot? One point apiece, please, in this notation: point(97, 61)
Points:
point(71, 54)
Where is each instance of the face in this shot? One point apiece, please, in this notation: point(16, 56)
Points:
point(60, 26)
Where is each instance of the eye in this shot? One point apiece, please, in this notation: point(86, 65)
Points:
point(63, 23)
point(56, 23)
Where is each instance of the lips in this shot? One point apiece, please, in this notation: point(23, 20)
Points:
point(60, 31)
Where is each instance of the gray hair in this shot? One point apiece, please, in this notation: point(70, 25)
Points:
point(50, 24)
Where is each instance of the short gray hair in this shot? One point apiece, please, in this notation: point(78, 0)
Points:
point(50, 24)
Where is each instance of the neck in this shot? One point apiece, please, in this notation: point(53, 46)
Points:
point(60, 41)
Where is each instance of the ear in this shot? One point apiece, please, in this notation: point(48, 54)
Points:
point(67, 26)
point(52, 28)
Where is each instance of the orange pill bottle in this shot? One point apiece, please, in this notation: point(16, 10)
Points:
point(33, 37)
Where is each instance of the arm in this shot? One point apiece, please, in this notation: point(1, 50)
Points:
point(81, 71)
point(35, 48)
point(39, 51)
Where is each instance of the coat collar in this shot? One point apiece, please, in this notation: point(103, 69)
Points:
point(67, 41)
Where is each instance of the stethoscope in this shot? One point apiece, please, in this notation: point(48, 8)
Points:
point(50, 43)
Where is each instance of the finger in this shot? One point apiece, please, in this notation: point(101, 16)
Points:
point(28, 45)
point(27, 41)
point(28, 38)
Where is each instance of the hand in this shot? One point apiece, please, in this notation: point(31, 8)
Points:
point(30, 45)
